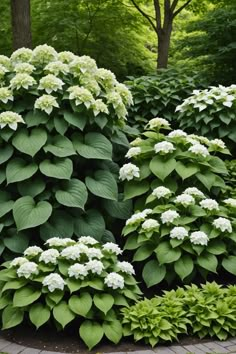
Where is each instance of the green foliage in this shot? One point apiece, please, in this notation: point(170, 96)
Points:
point(230, 179)
point(206, 311)
point(60, 122)
point(81, 281)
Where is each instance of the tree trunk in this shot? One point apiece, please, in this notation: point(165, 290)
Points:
point(21, 24)
point(163, 48)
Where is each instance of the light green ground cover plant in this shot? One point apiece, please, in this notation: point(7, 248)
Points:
point(60, 120)
point(69, 281)
point(206, 311)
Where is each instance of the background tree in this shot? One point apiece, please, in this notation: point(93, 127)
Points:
point(21, 23)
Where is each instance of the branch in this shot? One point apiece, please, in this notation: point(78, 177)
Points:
point(158, 14)
point(144, 14)
point(173, 5)
point(181, 8)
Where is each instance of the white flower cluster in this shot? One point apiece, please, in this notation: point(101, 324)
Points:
point(80, 95)
point(158, 123)
point(111, 247)
point(199, 238)
point(164, 147)
point(126, 267)
point(54, 282)
point(73, 252)
point(209, 204)
point(230, 202)
point(161, 192)
point(49, 256)
point(138, 217)
point(32, 251)
point(78, 271)
point(57, 67)
point(150, 225)
point(59, 242)
point(92, 252)
point(179, 232)
point(133, 151)
point(18, 261)
point(177, 134)
point(24, 68)
point(185, 200)
point(22, 80)
point(95, 267)
point(6, 95)
point(27, 269)
point(195, 192)
point(50, 83)
point(10, 119)
point(128, 172)
point(169, 216)
point(217, 144)
point(21, 55)
point(88, 240)
point(114, 281)
point(223, 224)
point(199, 149)
point(46, 103)
point(98, 106)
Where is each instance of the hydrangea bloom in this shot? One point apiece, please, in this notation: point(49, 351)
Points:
point(18, 261)
point(112, 248)
point(179, 232)
point(54, 282)
point(22, 80)
point(5, 61)
point(150, 224)
point(99, 107)
point(88, 240)
point(136, 218)
point(164, 147)
point(46, 103)
point(124, 93)
point(71, 252)
point(32, 251)
point(6, 95)
point(134, 151)
point(3, 71)
point(80, 95)
point(78, 271)
point(178, 133)
point(43, 54)
point(57, 67)
point(209, 204)
point(199, 149)
point(93, 253)
point(230, 202)
point(27, 269)
point(199, 238)
point(158, 123)
point(82, 65)
point(21, 55)
point(114, 281)
point(194, 192)
point(25, 68)
point(59, 242)
point(50, 83)
point(105, 77)
point(185, 199)
point(129, 171)
point(11, 119)
point(161, 192)
point(223, 224)
point(66, 57)
point(49, 256)
point(95, 267)
point(169, 216)
point(217, 144)
point(136, 142)
point(126, 267)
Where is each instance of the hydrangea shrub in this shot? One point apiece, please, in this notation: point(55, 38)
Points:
point(69, 281)
point(60, 120)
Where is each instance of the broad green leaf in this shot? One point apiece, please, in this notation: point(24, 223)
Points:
point(119, 210)
point(229, 264)
point(103, 185)
point(103, 302)
point(73, 194)
point(35, 118)
point(5, 207)
point(2, 176)
point(29, 188)
point(60, 146)
point(184, 266)
point(216, 247)
point(93, 146)
point(39, 314)
point(143, 252)
point(166, 254)
point(6, 153)
point(135, 188)
point(81, 304)
point(73, 284)
point(61, 125)
point(217, 165)
point(91, 333)
point(60, 223)
point(17, 242)
point(18, 170)
point(30, 142)
point(90, 224)
point(113, 331)
point(11, 317)
point(208, 261)
point(207, 179)
point(28, 214)
point(55, 296)
point(76, 119)
point(161, 167)
point(63, 314)
point(25, 296)
point(58, 168)
point(5, 300)
point(153, 273)
point(186, 170)
point(14, 284)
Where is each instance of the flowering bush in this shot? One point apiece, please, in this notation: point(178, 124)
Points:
point(211, 112)
point(70, 280)
point(60, 119)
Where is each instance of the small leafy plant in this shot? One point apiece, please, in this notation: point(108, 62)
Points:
point(69, 281)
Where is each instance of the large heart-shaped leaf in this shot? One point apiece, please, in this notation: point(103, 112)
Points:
point(6, 153)
point(153, 273)
point(17, 242)
point(63, 314)
point(60, 146)
point(184, 266)
point(18, 170)
point(113, 331)
point(93, 146)
point(5, 207)
point(162, 167)
point(229, 264)
point(30, 142)
point(58, 168)
point(81, 304)
point(91, 333)
point(186, 170)
point(103, 302)
point(166, 254)
point(103, 185)
point(28, 214)
point(134, 188)
point(76, 119)
point(119, 210)
point(34, 118)
point(90, 224)
point(32, 189)
point(25, 296)
point(39, 314)
point(60, 224)
point(11, 317)
point(74, 194)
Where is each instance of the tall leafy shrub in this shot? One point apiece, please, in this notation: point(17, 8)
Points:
point(60, 118)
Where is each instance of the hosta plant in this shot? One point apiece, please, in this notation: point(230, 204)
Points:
point(69, 281)
point(211, 112)
point(60, 119)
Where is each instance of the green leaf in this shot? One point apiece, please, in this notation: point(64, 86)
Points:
point(161, 167)
point(30, 142)
point(25, 296)
point(217, 165)
point(184, 266)
point(153, 273)
point(216, 247)
point(60, 223)
point(39, 314)
point(5, 207)
point(14, 284)
point(28, 214)
point(17, 242)
point(103, 302)
point(18, 170)
point(90, 224)
point(61, 125)
point(74, 194)
point(34, 118)
point(5, 300)
point(91, 333)
point(81, 304)
point(207, 179)
point(135, 188)
point(93, 146)
point(55, 296)
point(60, 146)
point(58, 168)
point(166, 254)
point(27, 188)
point(229, 264)
point(208, 261)
point(6, 153)
point(113, 331)
point(63, 314)
point(186, 170)
point(11, 317)
point(120, 210)
point(2, 176)
point(143, 252)
point(103, 185)
point(76, 119)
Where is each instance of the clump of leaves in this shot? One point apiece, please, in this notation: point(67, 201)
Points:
point(230, 179)
point(69, 281)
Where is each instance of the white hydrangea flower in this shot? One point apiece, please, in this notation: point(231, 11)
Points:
point(199, 149)
point(66, 57)
point(88, 240)
point(81, 65)
point(147, 212)
point(129, 171)
point(199, 238)
point(99, 107)
point(158, 123)
point(46, 103)
point(6, 95)
point(185, 200)
point(150, 224)
point(209, 204)
point(133, 151)
point(25, 68)
point(88, 82)
point(178, 133)
point(135, 218)
point(78, 271)
point(21, 55)
point(105, 77)
point(121, 111)
point(27, 269)
point(161, 192)
point(126, 267)
point(217, 144)
point(194, 191)
point(199, 138)
point(124, 93)
point(81, 95)
point(49, 256)
point(179, 232)
point(114, 281)
point(32, 251)
point(59, 242)
point(50, 83)
point(223, 224)
point(54, 282)
point(3, 70)
point(112, 248)
point(230, 202)
point(93, 252)
point(44, 54)
point(115, 99)
point(71, 252)
point(95, 267)
point(11, 119)
point(169, 216)
point(164, 147)
point(57, 67)
point(5, 61)
point(136, 142)
point(18, 261)
point(22, 80)
point(82, 248)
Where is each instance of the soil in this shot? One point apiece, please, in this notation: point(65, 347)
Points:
point(66, 342)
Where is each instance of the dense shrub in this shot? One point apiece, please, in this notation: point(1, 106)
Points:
point(210, 112)
point(206, 311)
point(158, 95)
point(70, 281)
point(60, 119)
point(230, 179)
